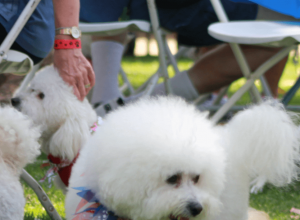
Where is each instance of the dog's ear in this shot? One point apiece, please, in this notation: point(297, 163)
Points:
point(69, 138)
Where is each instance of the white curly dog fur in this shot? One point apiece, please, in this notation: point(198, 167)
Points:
point(161, 157)
point(129, 161)
point(64, 120)
point(18, 147)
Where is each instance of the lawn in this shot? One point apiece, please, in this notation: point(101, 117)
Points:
point(275, 201)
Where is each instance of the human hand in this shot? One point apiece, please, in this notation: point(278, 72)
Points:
point(75, 70)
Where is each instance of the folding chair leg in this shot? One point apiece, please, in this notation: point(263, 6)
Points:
point(171, 58)
point(258, 73)
point(245, 70)
point(289, 95)
point(151, 84)
point(222, 92)
point(201, 99)
point(233, 99)
point(126, 81)
point(158, 37)
point(45, 201)
point(265, 86)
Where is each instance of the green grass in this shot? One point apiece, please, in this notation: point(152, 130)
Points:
point(275, 201)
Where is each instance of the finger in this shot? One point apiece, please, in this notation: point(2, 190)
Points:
point(91, 75)
point(76, 92)
point(87, 83)
point(81, 89)
point(88, 90)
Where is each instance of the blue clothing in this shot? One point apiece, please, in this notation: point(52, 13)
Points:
point(290, 7)
point(37, 37)
point(190, 22)
point(244, 1)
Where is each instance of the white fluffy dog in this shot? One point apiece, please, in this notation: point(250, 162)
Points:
point(161, 158)
point(18, 147)
point(64, 120)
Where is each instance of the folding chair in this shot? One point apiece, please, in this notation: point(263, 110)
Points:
point(19, 63)
point(165, 56)
point(264, 33)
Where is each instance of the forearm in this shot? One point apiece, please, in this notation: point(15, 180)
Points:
point(66, 14)
point(72, 66)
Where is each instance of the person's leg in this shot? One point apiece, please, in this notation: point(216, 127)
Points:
point(273, 76)
point(106, 57)
point(106, 51)
point(218, 68)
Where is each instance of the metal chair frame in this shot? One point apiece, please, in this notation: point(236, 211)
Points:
point(248, 74)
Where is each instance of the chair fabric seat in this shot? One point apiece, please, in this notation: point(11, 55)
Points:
point(16, 63)
point(269, 33)
point(113, 28)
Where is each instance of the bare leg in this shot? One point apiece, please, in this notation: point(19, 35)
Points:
point(218, 68)
point(273, 76)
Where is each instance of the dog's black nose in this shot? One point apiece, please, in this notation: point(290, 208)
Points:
point(194, 208)
point(15, 102)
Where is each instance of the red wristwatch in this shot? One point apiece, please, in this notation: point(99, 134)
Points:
point(67, 44)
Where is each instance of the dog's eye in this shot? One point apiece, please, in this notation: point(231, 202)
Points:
point(41, 95)
point(174, 179)
point(196, 179)
point(32, 90)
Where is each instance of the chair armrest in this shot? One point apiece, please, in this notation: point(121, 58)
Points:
point(16, 63)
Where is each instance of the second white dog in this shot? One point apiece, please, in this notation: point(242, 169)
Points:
point(65, 121)
point(163, 159)
point(18, 147)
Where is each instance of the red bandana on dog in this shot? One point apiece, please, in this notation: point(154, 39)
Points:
point(62, 166)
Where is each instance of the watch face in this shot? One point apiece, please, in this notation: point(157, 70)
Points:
point(75, 32)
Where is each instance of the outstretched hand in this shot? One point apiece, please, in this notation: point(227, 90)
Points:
point(75, 70)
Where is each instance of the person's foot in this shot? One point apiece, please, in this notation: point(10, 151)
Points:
point(210, 100)
point(104, 108)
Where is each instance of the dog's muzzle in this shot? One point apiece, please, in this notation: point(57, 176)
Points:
point(16, 102)
point(194, 208)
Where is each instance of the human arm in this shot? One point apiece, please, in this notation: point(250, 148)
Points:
point(72, 66)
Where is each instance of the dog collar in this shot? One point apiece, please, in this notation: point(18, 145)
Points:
point(95, 126)
point(89, 207)
point(64, 167)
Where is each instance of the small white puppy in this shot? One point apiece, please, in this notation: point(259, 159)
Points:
point(18, 147)
point(161, 158)
point(65, 121)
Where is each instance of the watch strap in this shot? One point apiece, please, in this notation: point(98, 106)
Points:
point(67, 44)
point(73, 31)
point(64, 31)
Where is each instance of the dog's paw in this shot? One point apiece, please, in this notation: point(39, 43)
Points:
point(257, 184)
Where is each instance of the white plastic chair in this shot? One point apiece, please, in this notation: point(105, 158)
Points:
point(264, 33)
point(20, 64)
